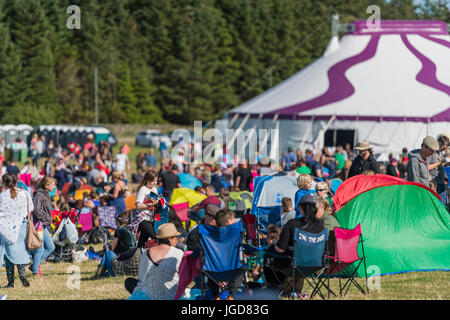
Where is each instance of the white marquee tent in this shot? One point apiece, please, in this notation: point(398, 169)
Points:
point(390, 86)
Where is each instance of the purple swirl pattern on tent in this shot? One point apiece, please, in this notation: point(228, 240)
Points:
point(339, 86)
point(438, 40)
point(427, 75)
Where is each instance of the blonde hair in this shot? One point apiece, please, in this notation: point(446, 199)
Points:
point(321, 185)
point(322, 202)
point(303, 180)
point(327, 207)
point(116, 175)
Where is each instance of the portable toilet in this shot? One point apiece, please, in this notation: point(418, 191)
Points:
point(45, 131)
point(24, 130)
point(77, 134)
point(10, 133)
point(70, 135)
point(101, 134)
point(63, 137)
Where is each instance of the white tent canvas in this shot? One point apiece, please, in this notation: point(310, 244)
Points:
point(390, 86)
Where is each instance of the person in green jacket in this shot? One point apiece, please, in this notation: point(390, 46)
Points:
point(324, 212)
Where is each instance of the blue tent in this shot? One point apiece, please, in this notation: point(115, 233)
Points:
point(189, 181)
point(267, 195)
point(335, 183)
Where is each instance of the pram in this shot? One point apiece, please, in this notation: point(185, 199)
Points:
point(64, 243)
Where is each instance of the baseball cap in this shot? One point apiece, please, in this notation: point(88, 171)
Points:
point(308, 198)
point(431, 143)
point(211, 210)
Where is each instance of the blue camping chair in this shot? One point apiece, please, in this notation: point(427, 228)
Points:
point(308, 262)
point(221, 255)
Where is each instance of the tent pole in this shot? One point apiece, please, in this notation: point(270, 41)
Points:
point(274, 150)
point(266, 137)
point(247, 141)
point(307, 132)
point(322, 131)
point(235, 134)
point(233, 120)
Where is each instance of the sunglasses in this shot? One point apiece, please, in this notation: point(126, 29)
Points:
point(319, 190)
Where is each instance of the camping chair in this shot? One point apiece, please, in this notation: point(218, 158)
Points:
point(65, 190)
point(221, 259)
point(345, 257)
point(309, 249)
point(86, 225)
point(182, 210)
point(250, 227)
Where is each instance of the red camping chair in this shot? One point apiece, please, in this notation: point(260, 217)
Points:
point(346, 260)
point(250, 227)
point(182, 210)
point(25, 178)
point(65, 189)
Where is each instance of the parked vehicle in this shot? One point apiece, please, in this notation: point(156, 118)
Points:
point(150, 138)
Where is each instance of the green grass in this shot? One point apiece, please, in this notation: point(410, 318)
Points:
point(53, 285)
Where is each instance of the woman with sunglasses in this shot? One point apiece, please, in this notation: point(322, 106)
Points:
point(322, 191)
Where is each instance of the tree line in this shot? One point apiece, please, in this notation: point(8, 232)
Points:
point(164, 60)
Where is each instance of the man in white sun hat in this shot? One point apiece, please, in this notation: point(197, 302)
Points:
point(364, 161)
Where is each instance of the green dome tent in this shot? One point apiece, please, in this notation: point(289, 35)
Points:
point(405, 227)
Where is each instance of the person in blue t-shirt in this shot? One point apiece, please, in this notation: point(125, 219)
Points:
point(288, 159)
point(304, 183)
point(150, 159)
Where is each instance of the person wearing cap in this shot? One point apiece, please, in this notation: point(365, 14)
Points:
point(310, 222)
point(437, 162)
point(265, 167)
point(288, 159)
point(418, 169)
point(158, 271)
point(364, 161)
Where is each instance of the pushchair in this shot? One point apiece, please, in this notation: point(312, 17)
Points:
point(65, 236)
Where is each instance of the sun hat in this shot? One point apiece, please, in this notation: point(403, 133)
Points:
point(363, 145)
point(431, 143)
point(167, 230)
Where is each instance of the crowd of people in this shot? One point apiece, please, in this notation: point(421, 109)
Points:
point(148, 248)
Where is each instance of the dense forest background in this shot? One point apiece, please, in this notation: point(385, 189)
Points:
point(164, 60)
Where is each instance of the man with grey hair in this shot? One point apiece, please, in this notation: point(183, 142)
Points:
point(437, 162)
point(417, 161)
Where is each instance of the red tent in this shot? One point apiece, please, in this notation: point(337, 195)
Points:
point(356, 185)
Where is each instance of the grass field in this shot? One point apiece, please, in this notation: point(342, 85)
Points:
point(59, 282)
